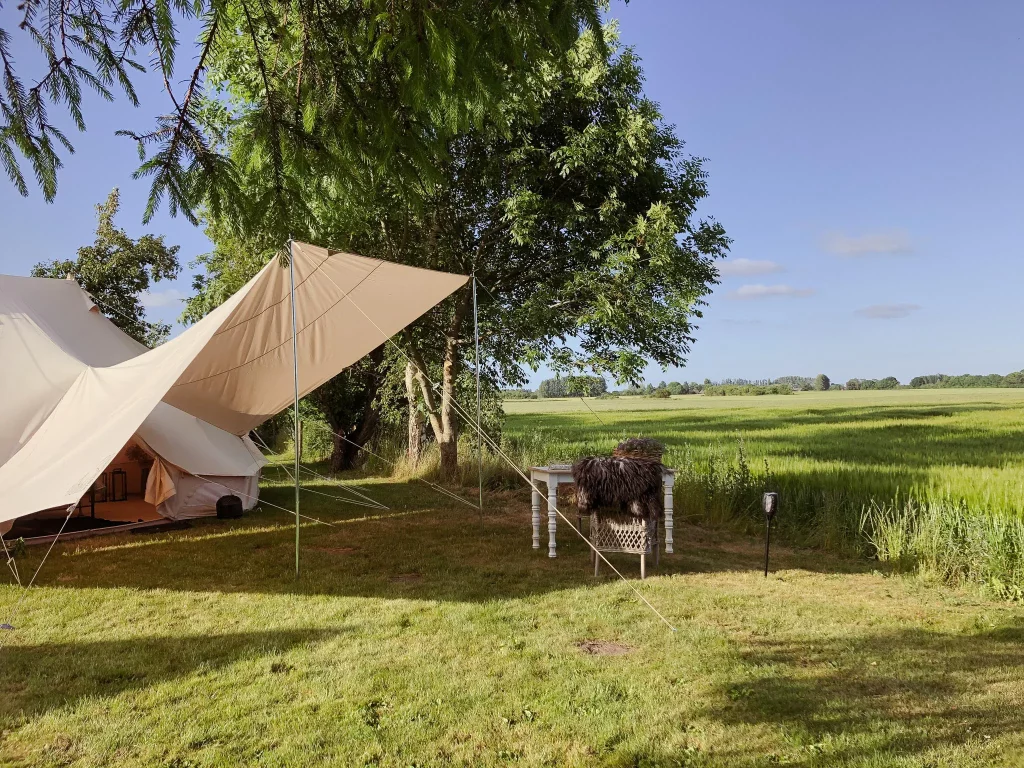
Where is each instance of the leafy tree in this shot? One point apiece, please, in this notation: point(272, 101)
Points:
point(552, 388)
point(1015, 379)
point(821, 382)
point(573, 386)
point(932, 379)
point(314, 88)
point(518, 394)
point(577, 220)
point(586, 386)
point(853, 384)
point(346, 402)
point(116, 270)
point(575, 209)
point(798, 383)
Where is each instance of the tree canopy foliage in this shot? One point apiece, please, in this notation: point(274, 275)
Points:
point(279, 90)
point(573, 386)
point(889, 382)
point(969, 381)
point(116, 270)
point(573, 205)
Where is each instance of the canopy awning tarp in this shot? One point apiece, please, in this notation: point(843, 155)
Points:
point(69, 402)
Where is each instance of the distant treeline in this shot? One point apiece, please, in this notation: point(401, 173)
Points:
point(967, 380)
point(596, 386)
point(748, 389)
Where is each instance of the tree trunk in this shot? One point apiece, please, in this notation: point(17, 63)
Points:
point(449, 459)
point(339, 458)
point(448, 442)
point(444, 420)
point(345, 452)
point(415, 445)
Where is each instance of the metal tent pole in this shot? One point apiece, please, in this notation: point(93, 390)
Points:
point(479, 428)
point(295, 377)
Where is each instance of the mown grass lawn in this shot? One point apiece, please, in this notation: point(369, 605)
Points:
point(430, 636)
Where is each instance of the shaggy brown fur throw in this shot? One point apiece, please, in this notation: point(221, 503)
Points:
point(624, 485)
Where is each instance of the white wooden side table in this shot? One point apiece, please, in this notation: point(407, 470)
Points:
point(552, 477)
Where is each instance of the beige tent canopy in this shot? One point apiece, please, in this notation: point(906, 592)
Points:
point(75, 391)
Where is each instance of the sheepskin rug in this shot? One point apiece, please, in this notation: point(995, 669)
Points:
point(627, 486)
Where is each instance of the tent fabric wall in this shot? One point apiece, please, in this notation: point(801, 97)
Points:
point(97, 415)
point(50, 334)
point(179, 495)
point(232, 370)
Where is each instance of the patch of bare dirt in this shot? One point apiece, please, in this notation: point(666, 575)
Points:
point(603, 648)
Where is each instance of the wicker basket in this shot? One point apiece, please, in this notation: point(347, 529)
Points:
point(644, 448)
point(624, 533)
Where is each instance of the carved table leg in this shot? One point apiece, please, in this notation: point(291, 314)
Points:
point(535, 504)
point(669, 482)
point(552, 516)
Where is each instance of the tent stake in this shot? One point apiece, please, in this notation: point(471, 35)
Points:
point(479, 439)
point(295, 377)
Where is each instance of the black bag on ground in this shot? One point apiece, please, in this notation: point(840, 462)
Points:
point(229, 507)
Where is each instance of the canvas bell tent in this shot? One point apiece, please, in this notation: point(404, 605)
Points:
point(80, 400)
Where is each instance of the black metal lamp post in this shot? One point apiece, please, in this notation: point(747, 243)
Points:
point(771, 506)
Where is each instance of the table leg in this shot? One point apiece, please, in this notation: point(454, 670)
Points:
point(552, 517)
point(535, 504)
point(668, 519)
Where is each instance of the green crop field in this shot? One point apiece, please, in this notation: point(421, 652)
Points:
point(880, 469)
point(932, 444)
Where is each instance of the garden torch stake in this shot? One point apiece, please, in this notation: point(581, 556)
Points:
point(771, 506)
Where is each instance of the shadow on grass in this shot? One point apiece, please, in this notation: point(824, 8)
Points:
point(412, 551)
point(821, 457)
point(916, 437)
point(38, 678)
point(901, 694)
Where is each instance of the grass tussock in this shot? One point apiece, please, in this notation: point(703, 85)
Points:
point(949, 541)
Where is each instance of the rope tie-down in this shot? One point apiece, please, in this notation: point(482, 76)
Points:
point(497, 449)
point(9, 624)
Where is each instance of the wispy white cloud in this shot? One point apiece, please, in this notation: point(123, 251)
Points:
point(889, 243)
point(888, 311)
point(767, 291)
point(750, 267)
point(171, 297)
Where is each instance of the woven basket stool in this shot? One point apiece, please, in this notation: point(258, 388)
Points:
point(632, 535)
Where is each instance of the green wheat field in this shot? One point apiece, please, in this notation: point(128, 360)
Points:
point(932, 444)
point(926, 479)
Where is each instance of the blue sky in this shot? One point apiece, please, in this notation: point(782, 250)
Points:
point(866, 158)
